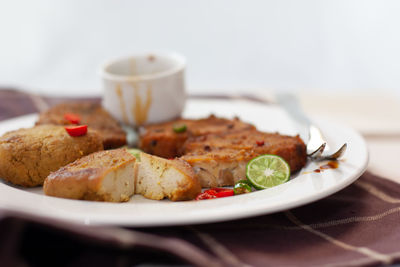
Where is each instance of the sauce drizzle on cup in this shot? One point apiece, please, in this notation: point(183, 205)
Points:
point(145, 88)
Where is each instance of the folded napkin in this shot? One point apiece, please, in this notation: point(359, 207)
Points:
point(358, 226)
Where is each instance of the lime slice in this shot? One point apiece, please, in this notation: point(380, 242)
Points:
point(136, 152)
point(267, 171)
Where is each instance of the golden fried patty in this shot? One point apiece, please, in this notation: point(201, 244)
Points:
point(218, 149)
point(115, 175)
point(102, 176)
point(161, 139)
point(158, 178)
point(91, 114)
point(249, 144)
point(220, 160)
point(27, 156)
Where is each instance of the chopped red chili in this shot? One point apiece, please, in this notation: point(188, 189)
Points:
point(76, 130)
point(72, 118)
point(215, 193)
point(211, 192)
point(217, 189)
point(205, 195)
point(260, 143)
point(226, 193)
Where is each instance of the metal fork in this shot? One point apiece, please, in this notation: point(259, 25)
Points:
point(317, 143)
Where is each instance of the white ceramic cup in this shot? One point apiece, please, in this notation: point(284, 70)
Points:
point(144, 88)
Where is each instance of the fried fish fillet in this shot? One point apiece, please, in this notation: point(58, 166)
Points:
point(91, 114)
point(158, 178)
point(218, 148)
point(161, 139)
point(115, 175)
point(103, 176)
point(220, 159)
point(27, 156)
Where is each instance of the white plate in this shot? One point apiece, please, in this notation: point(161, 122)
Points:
point(303, 188)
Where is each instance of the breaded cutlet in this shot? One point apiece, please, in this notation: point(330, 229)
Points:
point(103, 176)
point(218, 149)
point(220, 159)
point(91, 114)
point(158, 178)
point(115, 175)
point(27, 156)
point(161, 139)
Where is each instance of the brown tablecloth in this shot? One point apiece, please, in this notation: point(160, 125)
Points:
point(358, 226)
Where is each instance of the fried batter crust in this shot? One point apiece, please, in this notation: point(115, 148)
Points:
point(85, 178)
point(161, 140)
point(218, 149)
point(91, 114)
point(245, 145)
point(27, 156)
point(220, 160)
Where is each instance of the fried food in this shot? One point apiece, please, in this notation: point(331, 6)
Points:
point(158, 178)
point(27, 156)
point(220, 159)
point(161, 139)
point(115, 175)
point(218, 148)
point(91, 114)
point(103, 176)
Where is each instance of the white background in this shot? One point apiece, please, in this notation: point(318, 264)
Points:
point(57, 47)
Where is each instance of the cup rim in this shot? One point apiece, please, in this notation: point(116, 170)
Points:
point(118, 77)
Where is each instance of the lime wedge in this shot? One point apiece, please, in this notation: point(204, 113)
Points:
point(267, 171)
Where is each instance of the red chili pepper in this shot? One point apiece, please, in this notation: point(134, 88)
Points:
point(72, 118)
point(260, 143)
point(205, 195)
point(76, 130)
point(216, 189)
point(211, 192)
point(225, 193)
point(215, 193)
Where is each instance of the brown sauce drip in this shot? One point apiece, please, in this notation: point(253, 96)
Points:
point(330, 165)
point(118, 90)
point(141, 108)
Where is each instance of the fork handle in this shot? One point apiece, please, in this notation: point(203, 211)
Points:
point(292, 106)
point(290, 103)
